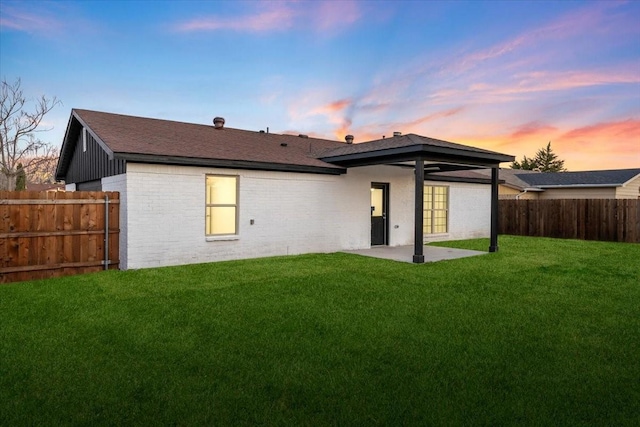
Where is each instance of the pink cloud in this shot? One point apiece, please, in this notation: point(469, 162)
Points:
point(29, 21)
point(604, 145)
point(376, 131)
point(428, 118)
point(331, 14)
point(278, 16)
point(553, 81)
point(471, 60)
point(594, 17)
point(333, 107)
point(532, 129)
point(628, 130)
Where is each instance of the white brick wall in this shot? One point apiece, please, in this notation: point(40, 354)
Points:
point(162, 210)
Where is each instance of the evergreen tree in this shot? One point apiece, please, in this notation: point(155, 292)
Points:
point(545, 160)
point(525, 164)
point(21, 178)
point(548, 161)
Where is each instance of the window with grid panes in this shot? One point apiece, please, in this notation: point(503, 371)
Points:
point(436, 209)
point(221, 205)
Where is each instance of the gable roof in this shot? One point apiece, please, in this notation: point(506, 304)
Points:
point(164, 141)
point(604, 178)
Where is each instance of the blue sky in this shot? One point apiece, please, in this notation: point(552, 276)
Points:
point(507, 76)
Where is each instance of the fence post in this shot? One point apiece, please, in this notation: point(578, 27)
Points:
point(106, 231)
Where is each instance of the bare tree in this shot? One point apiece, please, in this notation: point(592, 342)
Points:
point(44, 169)
point(19, 125)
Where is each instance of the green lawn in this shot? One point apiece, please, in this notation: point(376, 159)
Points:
point(544, 332)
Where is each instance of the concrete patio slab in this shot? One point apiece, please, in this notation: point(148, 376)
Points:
point(405, 253)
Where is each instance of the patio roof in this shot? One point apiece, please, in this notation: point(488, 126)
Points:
point(409, 147)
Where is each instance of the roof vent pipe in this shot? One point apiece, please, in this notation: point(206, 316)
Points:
point(349, 139)
point(218, 122)
point(397, 133)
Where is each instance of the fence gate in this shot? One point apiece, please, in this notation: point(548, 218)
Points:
point(51, 234)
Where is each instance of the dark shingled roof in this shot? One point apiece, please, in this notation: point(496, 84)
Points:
point(613, 178)
point(512, 177)
point(400, 142)
point(411, 147)
point(127, 135)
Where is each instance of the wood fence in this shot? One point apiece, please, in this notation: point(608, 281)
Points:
point(616, 220)
point(57, 233)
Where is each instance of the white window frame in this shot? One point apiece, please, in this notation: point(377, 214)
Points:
point(432, 210)
point(232, 236)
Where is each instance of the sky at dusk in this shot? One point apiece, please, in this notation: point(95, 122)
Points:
point(505, 76)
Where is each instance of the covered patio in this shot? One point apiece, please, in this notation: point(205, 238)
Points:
point(425, 155)
point(405, 253)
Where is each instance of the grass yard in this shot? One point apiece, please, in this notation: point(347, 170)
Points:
point(544, 332)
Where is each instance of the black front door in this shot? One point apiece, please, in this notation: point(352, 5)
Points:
point(379, 214)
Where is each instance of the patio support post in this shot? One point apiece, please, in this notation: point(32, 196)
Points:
point(418, 254)
point(493, 246)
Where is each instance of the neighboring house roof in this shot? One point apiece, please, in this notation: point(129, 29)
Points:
point(146, 140)
point(512, 178)
point(604, 178)
point(44, 187)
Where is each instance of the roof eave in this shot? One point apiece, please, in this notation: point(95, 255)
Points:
point(441, 178)
point(513, 186)
point(66, 151)
point(228, 164)
point(578, 186)
point(630, 179)
point(413, 151)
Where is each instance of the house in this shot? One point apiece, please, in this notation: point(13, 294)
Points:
point(48, 187)
point(598, 184)
point(194, 193)
point(510, 186)
point(514, 185)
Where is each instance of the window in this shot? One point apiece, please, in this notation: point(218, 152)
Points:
point(436, 209)
point(84, 140)
point(221, 205)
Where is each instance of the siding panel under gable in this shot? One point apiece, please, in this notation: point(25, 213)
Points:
point(631, 190)
point(92, 164)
